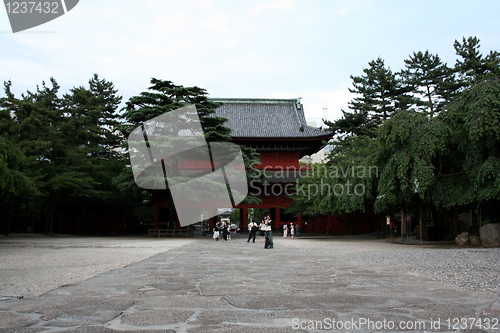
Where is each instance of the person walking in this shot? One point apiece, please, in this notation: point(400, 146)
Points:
point(224, 230)
point(297, 231)
point(252, 230)
point(216, 231)
point(292, 230)
point(285, 230)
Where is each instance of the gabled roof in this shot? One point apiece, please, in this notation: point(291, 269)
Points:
point(266, 118)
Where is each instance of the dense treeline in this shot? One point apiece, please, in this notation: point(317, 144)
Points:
point(59, 156)
point(433, 133)
point(64, 166)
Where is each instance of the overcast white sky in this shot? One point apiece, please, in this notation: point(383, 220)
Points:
point(267, 49)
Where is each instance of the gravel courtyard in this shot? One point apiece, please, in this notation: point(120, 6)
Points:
point(75, 284)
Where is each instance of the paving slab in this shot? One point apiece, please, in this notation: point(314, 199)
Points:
point(235, 286)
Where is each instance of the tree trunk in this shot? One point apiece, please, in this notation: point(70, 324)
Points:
point(49, 227)
point(353, 222)
point(33, 215)
point(404, 225)
point(60, 220)
point(456, 221)
point(422, 220)
point(8, 224)
point(51, 221)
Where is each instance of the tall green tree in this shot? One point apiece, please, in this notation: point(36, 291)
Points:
point(14, 184)
point(89, 159)
point(347, 183)
point(472, 65)
point(31, 124)
point(377, 91)
point(429, 81)
point(475, 123)
point(410, 146)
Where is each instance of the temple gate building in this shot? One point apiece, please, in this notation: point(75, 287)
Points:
point(278, 130)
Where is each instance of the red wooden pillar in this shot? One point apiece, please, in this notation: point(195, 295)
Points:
point(277, 218)
point(157, 218)
point(403, 222)
point(211, 221)
point(244, 218)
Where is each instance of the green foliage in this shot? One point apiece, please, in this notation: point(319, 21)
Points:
point(429, 81)
point(235, 216)
point(377, 92)
point(411, 144)
point(260, 213)
point(432, 131)
point(164, 96)
point(13, 182)
point(473, 65)
point(68, 147)
point(475, 120)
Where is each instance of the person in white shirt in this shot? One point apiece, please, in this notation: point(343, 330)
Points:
point(262, 233)
point(252, 229)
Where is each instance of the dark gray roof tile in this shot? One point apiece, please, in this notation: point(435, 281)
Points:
point(266, 118)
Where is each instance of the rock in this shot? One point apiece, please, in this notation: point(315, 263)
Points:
point(463, 239)
point(490, 234)
point(475, 240)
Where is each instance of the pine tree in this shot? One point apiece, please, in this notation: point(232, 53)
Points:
point(428, 79)
point(473, 64)
point(378, 91)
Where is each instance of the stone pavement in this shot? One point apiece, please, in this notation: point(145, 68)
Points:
point(235, 286)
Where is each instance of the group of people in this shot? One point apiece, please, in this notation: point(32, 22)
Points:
point(222, 228)
point(289, 230)
point(265, 231)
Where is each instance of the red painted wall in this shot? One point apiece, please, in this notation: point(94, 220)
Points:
point(279, 159)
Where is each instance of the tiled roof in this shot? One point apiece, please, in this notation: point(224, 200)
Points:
point(266, 118)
